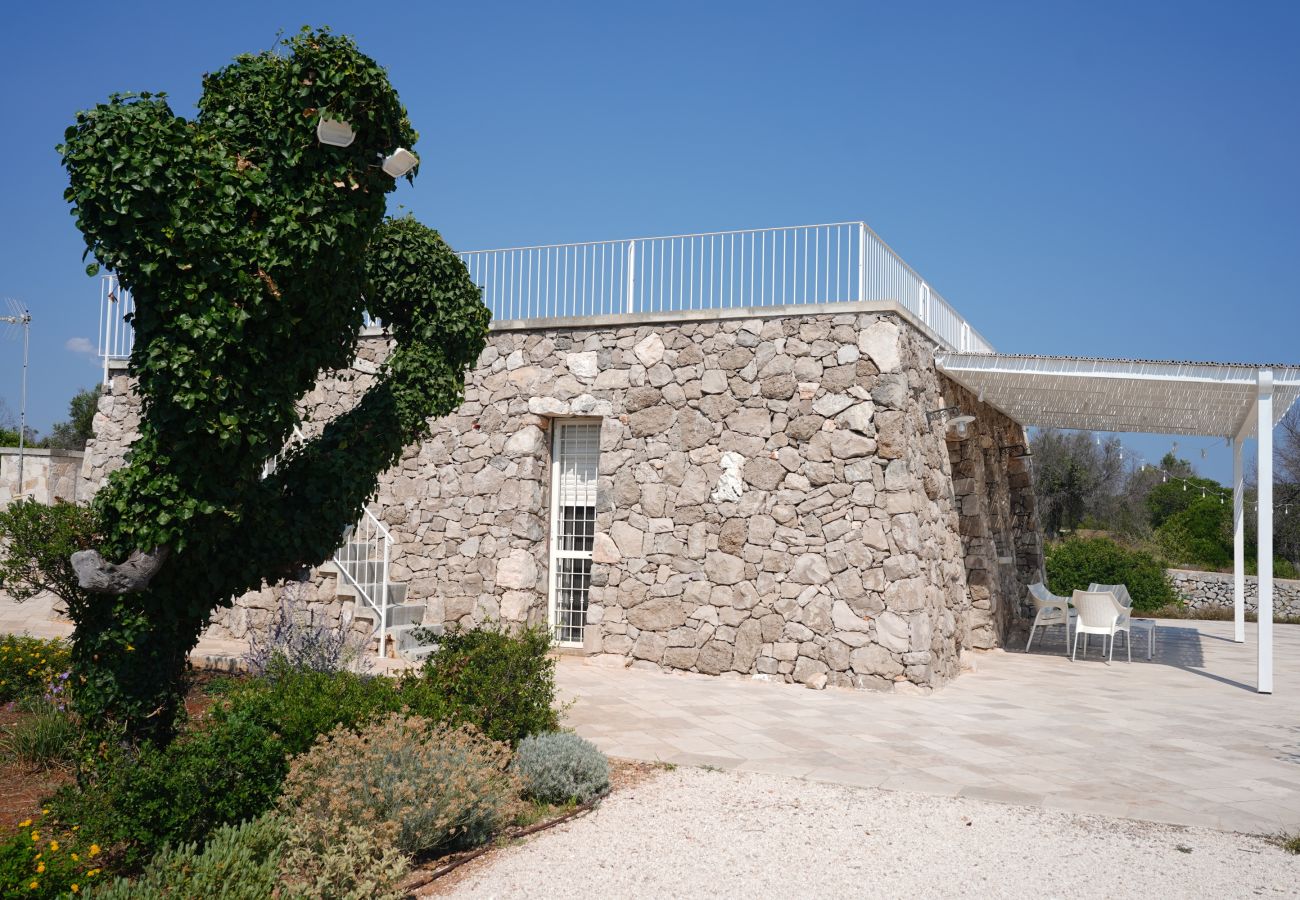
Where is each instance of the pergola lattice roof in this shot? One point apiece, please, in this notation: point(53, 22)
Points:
point(1123, 395)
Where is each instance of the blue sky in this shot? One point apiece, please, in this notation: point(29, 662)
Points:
point(1083, 178)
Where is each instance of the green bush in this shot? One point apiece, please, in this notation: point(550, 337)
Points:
point(48, 737)
point(500, 683)
point(299, 705)
point(1075, 563)
point(416, 786)
point(1198, 535)
point(353, 865)
point(560, 767)
point(37, 541)
point(139, 801)
point(41, 860)
point(236, 862)
point(29, 664)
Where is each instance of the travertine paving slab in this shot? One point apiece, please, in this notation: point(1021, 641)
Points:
point(1182, 739)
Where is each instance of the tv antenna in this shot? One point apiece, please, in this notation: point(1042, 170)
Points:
point(18, 315)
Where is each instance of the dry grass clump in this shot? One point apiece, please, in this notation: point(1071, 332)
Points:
point(417, 786)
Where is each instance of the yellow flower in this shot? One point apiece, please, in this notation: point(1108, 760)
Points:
point(76, 858)
point(94, 849)
point(36, 835)
point(24, 823)
point(75, 889)
point(45, 812)
point(33, 886)
point(92, 873)
point(130, 649)
point(40, 868)
point(54, 846)
point(75, 827)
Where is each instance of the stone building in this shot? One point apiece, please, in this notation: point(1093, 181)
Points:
point(723, 453)
point(773, 492)
point(47, 475)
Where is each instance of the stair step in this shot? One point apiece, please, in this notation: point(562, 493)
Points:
point(408, 645)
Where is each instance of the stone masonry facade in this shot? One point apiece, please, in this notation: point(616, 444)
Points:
point(773, 499)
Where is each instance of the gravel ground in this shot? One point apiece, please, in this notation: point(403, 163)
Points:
point(697, 833)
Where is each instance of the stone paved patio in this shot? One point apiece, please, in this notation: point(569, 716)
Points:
point(1183, 739)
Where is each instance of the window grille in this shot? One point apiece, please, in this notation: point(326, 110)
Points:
point(575, 463)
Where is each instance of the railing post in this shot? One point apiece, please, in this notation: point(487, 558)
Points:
point(631, 277)
point(383, 603)
point(862, 261)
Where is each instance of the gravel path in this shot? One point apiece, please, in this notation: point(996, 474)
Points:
point(698, 833)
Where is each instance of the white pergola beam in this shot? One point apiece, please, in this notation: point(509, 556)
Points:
point(1238, 543)
point(1264, 681)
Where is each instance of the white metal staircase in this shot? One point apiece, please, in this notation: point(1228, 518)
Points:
point(361, 569)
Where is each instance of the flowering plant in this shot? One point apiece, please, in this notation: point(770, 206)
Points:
point(41, 859)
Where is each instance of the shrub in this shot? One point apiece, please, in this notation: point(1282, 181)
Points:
point(502, 684)
point(41, 860)
point(139, 801)
point(416, 785)
point(294, 638)
point(237, 862)
point(29, 664)
point(353, 865)
point(1199, 534)
point(47, 738)
point(37, 541)
point(1075, 563)
point(299, 705)
point(560, 767)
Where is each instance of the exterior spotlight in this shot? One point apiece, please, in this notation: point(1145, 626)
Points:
point(932, 414)
point(335, 132)
point(399, 162)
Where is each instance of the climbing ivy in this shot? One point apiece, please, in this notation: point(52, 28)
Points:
point(253, 251)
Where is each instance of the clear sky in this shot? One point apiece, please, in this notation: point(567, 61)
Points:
point(1092, 178)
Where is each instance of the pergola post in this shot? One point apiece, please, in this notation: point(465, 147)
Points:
point(1264, 386)
point(1238, 543)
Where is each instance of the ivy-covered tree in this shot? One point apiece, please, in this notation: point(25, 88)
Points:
point(253, 250)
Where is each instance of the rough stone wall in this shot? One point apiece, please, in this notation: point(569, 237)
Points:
point(48, 475)
point(1213, 590)
point(771, 500)
point(998, 521)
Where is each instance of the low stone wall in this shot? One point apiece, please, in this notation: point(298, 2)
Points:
point(48, 475)
point(1213, 590)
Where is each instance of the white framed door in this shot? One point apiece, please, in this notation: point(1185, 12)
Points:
point(575, 464)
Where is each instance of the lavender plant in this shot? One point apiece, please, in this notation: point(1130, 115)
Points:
point(300, 638)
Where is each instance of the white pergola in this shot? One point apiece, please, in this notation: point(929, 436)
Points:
point(1235, 401)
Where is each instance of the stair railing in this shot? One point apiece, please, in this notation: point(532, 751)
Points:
point(363, 560)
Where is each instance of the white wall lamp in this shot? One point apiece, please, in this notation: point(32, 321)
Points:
point(958, 427)
point(334, 132)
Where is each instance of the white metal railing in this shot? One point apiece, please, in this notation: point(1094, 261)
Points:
point(792, 266)
point(116, 336)
point(363, 560)
point(804, 264)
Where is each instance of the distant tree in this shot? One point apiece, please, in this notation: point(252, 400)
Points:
point(74, 433)
point(8, 426)
point(1075, 477)
point(1172, 497)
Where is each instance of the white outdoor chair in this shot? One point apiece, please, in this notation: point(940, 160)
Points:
point(1100, 613)
point(1052, 610)
point(1120, 591)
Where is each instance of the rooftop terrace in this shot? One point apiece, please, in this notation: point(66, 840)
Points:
point(764, 267)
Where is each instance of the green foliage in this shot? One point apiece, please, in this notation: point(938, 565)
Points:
point(501, 683)
point(253, 251)
point(416, 786)
point(29, 664)
point(1171, 497)
point(139, 801)
point(1075, 563)
point(300, 705)
point(559, 767)
point(354, 864)
point(237, 862)
point(1199, 534)
point(36, 543)
point(45, 739)
point(44, 861)
point(77, 431)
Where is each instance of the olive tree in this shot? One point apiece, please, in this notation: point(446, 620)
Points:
point(253, 251)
